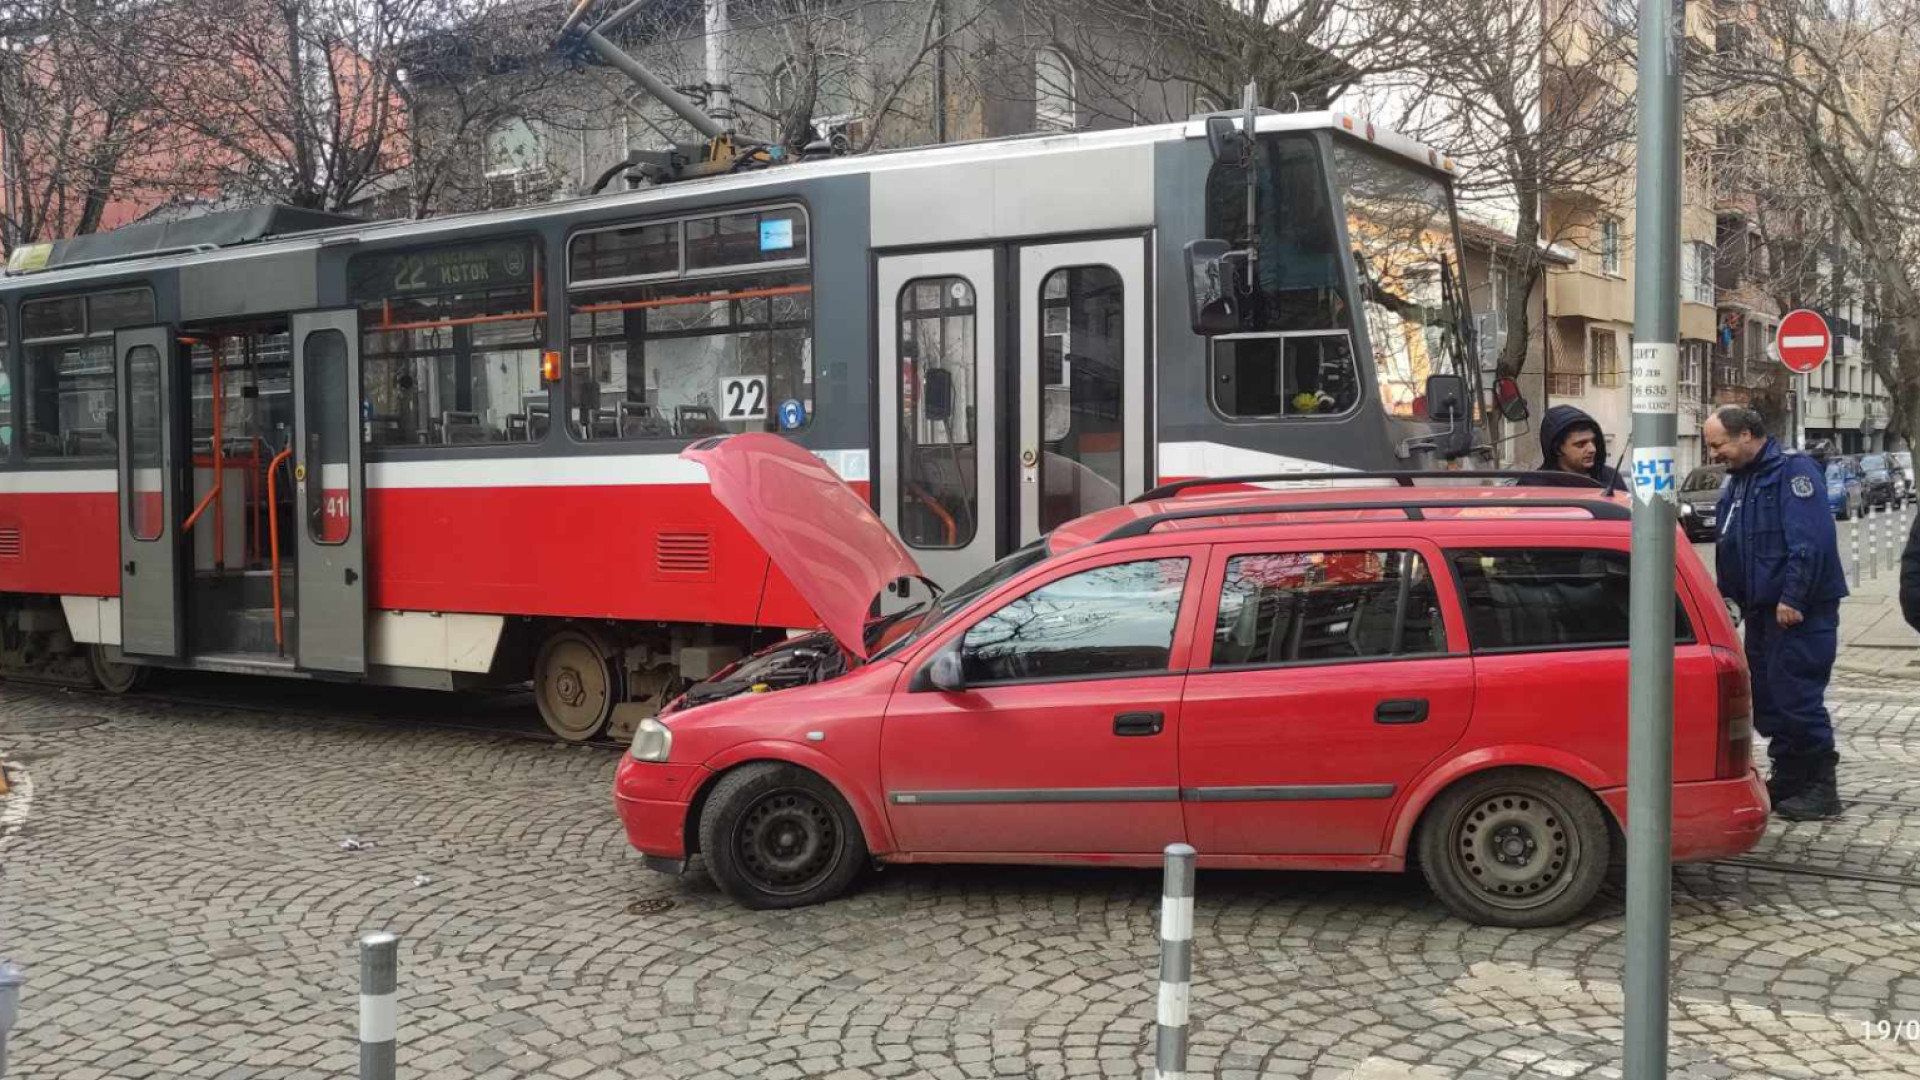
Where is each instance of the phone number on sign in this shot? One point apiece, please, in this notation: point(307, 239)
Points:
point(1883, 1030)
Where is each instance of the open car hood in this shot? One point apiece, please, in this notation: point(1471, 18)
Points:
point(825, 538)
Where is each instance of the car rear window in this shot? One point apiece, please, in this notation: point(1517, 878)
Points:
point(1529, 599)
point(1326, 607)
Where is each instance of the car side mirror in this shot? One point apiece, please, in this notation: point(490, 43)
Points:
point(1210, 306)
point(946, 674)
point(1224, 142)
point(1512, 403)
point(1446, 398)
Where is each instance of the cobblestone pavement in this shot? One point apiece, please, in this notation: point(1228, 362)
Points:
point(172, 878)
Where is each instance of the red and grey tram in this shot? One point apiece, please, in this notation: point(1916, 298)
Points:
point(445, 453)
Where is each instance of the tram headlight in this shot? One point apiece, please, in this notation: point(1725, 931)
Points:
point(652, 741)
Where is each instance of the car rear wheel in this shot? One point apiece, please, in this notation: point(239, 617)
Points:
point(778, 836)
point(1515, 847)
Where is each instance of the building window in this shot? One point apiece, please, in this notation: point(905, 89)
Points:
point(513, 148)
point(691, 327)
point(1610, 245)
point(1697, 274)
point(451, 338)
point(1604, 347)
point(1693, 361)
point(1055, 103)
point(69, 392)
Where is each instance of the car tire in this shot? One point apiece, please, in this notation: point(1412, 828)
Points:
point(775, 835)
point(1515, 848)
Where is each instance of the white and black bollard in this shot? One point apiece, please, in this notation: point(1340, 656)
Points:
point(1853, 538)
point(10, 982)
point(1176, 964)
point(379, 1015)
point(1873, 543)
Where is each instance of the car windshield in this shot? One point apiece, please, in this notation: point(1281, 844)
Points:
point(1706, 480)
point(1873, 463)
point(966, 593)
point(1836, 473)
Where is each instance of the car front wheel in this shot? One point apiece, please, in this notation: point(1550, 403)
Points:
point(776, 835)
point(1515, 847)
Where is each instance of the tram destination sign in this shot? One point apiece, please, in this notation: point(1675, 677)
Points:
point(491, 264)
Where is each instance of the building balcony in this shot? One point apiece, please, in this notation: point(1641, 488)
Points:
point(1586, 295)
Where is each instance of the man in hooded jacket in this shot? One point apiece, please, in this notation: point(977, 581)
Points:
point(1570, 441)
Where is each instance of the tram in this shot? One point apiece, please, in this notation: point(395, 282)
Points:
point(444, 453)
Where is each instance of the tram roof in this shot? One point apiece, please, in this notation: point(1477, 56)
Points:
point(281, 229)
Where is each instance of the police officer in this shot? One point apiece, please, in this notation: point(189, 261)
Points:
point(1778, 558)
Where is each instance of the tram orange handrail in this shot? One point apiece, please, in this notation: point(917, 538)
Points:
point(702, 298)
point(444, 324)
point(205, 501)
point(273, 534)
point(946, 520)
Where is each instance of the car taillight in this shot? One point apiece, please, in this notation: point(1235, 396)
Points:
point(1735, 756)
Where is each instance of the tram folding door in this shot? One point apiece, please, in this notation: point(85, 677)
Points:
point(329, 493)
point(149, 459)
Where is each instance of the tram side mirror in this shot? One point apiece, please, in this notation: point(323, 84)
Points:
point(1225, 143)
point(1511, 402)
point(1446, 398)
point(1210, 288)
point(936, 401)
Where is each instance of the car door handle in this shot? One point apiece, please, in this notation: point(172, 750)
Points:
point(1138, 723)
point(1404, 711)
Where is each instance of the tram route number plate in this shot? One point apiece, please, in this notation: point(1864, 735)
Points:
point(743, 397)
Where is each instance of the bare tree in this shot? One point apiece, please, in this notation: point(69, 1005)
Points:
point(74, 95)
point(1534, 100)
point(1842, 81)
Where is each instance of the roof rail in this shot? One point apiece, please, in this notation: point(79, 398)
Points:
point(1601, 511)
point(1405, 477)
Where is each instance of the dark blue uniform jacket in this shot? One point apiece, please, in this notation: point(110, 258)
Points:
point(1777, 542)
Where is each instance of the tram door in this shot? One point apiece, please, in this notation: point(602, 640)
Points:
point(975, 460)
point(329, 492)
point(150, 508)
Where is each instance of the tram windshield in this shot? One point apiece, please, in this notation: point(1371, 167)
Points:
point(1400, 225)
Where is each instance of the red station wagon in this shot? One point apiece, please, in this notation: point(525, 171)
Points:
point(1425, 671)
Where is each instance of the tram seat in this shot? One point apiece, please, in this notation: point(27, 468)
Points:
point(639, 420)
point(605, 425)
point(463, 427)
point(697, 420)
point(43, 444)
point(88, 444)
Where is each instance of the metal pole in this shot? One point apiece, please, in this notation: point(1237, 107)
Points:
point(667, 95)
point(379, 1015)
point(1853, 540)
point(719, 78)
point(1176, 964)
point(10, 982)
point(1656, 394)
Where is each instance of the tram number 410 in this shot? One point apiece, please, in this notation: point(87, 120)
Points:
point(743, 398)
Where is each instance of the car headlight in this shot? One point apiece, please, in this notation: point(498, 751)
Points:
point(1686, 509)
point(652, 741)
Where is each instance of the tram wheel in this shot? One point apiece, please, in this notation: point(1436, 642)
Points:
point(576, 684)
point(112, 675)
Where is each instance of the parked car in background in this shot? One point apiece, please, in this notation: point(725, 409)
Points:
point(1903, 468)
point(1700, 500)
point(1367, 678)
point(1846, 494)
point(1876, 476)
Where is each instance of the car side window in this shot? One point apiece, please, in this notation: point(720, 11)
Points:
point(1326, 607)
point(1110, 620)
point(1519, 599)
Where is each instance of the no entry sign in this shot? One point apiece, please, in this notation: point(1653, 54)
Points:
point(1805, 341)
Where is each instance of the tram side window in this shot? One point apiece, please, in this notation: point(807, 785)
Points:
point(69, 392)
point(939, 456)
point(6, 392)
point(1298, 284)
point(691, 327)
point(451, 341)
point(1284, 375)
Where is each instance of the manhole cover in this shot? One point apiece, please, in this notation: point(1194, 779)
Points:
point(655, 906)
point(41, 725)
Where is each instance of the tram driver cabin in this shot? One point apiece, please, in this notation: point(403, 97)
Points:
point(445, 453)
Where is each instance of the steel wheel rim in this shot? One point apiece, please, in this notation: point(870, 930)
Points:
point(788, 841)
point(574, 688)
point(113, 676)
point(1516, 850)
